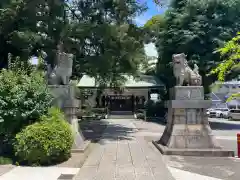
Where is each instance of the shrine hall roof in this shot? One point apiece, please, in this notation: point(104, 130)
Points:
point(142, 81)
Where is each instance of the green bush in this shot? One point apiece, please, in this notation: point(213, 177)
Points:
point(5, 160)
point(155, 109)
point(46, 142)
point(24, 97)
point(140, 111)
point(140, 116)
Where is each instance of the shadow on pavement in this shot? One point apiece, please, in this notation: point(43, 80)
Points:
point(96, 130)
point(116, 132)
point(224, 126)
point(92, 129)
point(160, 121)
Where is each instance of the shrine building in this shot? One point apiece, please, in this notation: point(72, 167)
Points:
point(128, 98)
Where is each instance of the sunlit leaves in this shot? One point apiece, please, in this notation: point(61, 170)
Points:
point(231, 58)
point(233, 96)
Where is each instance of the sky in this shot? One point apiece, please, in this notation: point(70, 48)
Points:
point(153, 10)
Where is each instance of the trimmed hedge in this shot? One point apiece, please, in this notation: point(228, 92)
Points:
point(46, 142)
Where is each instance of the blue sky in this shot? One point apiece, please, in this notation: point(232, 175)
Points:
point(153, 9)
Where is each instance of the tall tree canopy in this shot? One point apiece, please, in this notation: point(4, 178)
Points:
point(108, 41)
point(197, 28)
point(101, 34)
point(153, 27)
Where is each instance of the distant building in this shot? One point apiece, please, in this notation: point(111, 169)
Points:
point(225, 90)
point(131, 96)
point(229, 87)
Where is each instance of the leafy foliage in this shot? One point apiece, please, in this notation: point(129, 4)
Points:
point(100, 34)
point(109, 44)
point(5, 160)
point(46, 142)
point(233, 96)
point(140, 116)
point(153, 27)
point(197, 28)
point(23, 99)
point(231, 55)
point(27, 26)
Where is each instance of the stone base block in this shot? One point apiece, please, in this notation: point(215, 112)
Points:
point(187, 93)
point(193, 152)
point(80, 149)
point(193, 104)
point(181, 136)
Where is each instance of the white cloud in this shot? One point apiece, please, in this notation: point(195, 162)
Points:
point(150, 50)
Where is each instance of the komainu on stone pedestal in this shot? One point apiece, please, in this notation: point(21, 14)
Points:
point(183, 73)
point(64, 96)
point(188, 131)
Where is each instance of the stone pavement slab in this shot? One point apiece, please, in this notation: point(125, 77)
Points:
point(5, 168)
point(209, 168)
point(123, 154)
point(181, 175)
point(37, 173)
point(215, 167)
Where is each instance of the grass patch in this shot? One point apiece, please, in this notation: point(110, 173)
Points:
point(5, 160)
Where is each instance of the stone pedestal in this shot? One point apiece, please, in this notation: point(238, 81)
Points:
point(64, 98)
point(70, 109)
point(187, 131)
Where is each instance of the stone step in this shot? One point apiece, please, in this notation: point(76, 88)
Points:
point(121, 115)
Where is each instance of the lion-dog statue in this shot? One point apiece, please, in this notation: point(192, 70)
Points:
point(61, 73)
point(183, 73)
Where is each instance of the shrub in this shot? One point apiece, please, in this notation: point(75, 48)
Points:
point(46, 142)
point(23, 99)
point(140, 111)
point(155, 109)
point(5, 160)
point(140, 116)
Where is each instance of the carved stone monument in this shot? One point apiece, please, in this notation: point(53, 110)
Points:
point(187, 131)
point(61, 73)
point(64, 96)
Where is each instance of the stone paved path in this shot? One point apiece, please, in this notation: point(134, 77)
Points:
point(123, 154)
point(5, 168)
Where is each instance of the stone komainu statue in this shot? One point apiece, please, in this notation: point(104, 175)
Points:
point(61, 73)
point(183, 73)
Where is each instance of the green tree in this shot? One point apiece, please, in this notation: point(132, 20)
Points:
point(233, 96)
point(28, 26)
point(153, 27)
point(107, 43)
point(197, 28)
point(230, 53)
point(101, 34)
